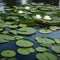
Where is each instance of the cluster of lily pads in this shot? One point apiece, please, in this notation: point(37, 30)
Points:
point(16, 22)
point(30, 14)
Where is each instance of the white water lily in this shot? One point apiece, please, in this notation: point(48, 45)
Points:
point(38, 16)
point(20, 11)
point(47, 17)
point(27, 7)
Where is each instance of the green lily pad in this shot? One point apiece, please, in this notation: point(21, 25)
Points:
point(1, 29)
point(57, 41)
point(5, 38)
point(5, 32)
point(45, 31)
point(56, 49)
point(25, 51)
point(41, 49)
point(44, 40)
point(50, 56)
point(40, 56)
point(8, 53)
point(54, 28)
point(26, 31)
point(48, 45)
point(13, 31)
point(24, 43)
point(22, 25)
point(13, 26)
point(19, 37)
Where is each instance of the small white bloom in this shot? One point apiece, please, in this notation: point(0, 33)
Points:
point(20, 11)
point(47, 18)
point(27, 7)
point(38, 16)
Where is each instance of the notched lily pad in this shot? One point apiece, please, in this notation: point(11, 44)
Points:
point(50, 56)
point(56, 49)
point(8, 53)
point(48, 45)
point(41, 49)
point(19, 37)
point(57, 41)
point(45, 31)
point(26, 31)
point(54, 28)
point(40, 56)
point(22, 25)
point(44, 40)
point(24, 43)
point(6, 38)
point(25, 51)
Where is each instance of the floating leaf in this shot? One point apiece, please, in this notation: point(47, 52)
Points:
point(54, 28)
point(44, 40)
point(24, 43)
point(45, 31)
point(41, 49)
point(56, 49)
point(22, 25)
point(26, 31)
point(12, 26)
point(25, 51)
point(57, 41)
point(40, 56)
point(8, 53)
point(50, 56)
point(48, 45)
point(13, 31)
point(5, 38)
point(19, 37)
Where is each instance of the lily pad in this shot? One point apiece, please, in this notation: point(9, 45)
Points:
point(50, 56)
point(5, 32)
point(44, 40)
point(54, 28)
point(13, 31)
point(48, 45)
point(57, 41)
point(19, 37)
point(41, 49)
point(8, 53)
point(25, 51)
point(13, 26)
point(5, 38)
point(22, 25)
point(45, 31)
point(40, 56)
point(24, 43)
point(56, 49)
point(26, 31)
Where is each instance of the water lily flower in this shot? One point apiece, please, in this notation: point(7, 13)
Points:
point(20, 11)
point(27, 7)
point(38, 16)
point(47, 17)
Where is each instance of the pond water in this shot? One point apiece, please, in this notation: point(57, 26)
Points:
point(12, 45)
